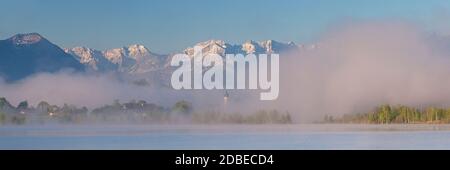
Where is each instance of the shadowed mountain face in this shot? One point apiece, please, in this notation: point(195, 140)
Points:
point(25, 54)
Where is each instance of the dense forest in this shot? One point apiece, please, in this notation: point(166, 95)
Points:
point(386, 114)
point(129, 112)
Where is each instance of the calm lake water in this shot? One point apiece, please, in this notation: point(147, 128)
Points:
point(226, 137)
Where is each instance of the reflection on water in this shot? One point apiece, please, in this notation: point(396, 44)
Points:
point(226, 137)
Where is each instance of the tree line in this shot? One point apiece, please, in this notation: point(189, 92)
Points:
point(386, 114)
point(129, 112)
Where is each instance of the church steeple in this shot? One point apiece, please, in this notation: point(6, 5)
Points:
point(225, 97)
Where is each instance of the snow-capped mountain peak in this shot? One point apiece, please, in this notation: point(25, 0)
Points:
point(209, 47)
point(131, 59)
point(250, 47)
point(115, 55)
point(137, 58)
point(135, 51)
point(94, 59)
point(221, 48)
point(83, 54)
point(23, 55)
point(272, 46)
point(29, 38)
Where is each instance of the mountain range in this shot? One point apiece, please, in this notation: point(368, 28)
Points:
point(25, 54)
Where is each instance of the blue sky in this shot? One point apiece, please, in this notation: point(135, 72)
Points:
point(171, 25)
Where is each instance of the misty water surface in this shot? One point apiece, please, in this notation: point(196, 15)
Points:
point(226, 137)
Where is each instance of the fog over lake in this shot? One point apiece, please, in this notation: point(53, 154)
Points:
point(297, 136)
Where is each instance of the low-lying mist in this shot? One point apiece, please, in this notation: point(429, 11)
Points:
point(353, 68)
point(74, 88)
point(359, 66)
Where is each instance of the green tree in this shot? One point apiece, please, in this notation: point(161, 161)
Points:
point(398, 114)
point(2, 118)
point(431, 114)
point(287, 118)
point(6, 107)
point(23, 105)
point(384, 114)
point(43, 107)
point(182, 107)
point(373, 118)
